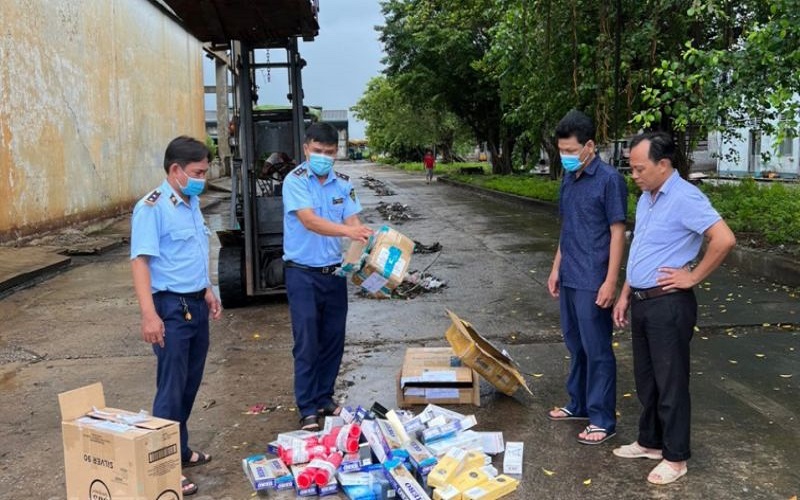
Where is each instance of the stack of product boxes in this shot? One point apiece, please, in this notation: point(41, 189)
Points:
point(380, 454)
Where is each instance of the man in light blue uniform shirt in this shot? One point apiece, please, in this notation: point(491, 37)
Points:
point(320, 207)
point(672, 219)
point(169, 260)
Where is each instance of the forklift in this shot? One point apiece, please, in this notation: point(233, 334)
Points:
point(270, 145)
point(267, 143)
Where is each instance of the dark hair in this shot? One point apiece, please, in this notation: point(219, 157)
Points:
point(661, 145)
point(184, 150)
point(322, 132)
point(576, 124)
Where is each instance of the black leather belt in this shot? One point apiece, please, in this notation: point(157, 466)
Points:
point(651, 293)
point(323, 270)
point(190, 295)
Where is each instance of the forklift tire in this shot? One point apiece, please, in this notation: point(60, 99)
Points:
point(230, 272)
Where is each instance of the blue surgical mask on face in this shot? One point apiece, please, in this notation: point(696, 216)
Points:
point(572, 163)
point(193, 186)
point(321, 165)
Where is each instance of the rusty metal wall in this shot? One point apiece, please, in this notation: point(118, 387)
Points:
point(91, 92)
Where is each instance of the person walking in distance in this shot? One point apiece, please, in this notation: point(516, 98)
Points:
point(429, 162)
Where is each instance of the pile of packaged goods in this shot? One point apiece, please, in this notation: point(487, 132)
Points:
point(380, 454)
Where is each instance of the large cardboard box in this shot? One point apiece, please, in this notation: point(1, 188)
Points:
point(429, 375)
point(478, 353)
point(379, 265)
point(114, 454)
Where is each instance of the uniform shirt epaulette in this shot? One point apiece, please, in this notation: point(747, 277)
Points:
point(342, 176)
point(300, 171)
point(152, 198)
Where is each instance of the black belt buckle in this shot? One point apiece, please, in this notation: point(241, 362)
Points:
point(327, 269)
point(640, 295)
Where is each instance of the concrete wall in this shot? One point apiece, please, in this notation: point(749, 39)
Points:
point(735, 159)
point(91, 92)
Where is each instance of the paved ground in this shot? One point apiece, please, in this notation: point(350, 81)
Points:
point(82, 326)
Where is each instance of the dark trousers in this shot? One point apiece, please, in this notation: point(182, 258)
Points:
point(318, 307)
point(181, 361)
point(592, 381)
point(662, 329)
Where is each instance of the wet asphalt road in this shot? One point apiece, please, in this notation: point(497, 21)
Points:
point(82, 325)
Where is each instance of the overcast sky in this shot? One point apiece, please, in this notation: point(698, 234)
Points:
point(341, 60)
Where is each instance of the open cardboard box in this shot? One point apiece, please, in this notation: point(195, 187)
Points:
point(478, 353)
point(113, 453)
point(429, 376)
point(379, 265)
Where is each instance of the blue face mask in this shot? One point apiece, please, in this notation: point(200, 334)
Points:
point(193, 186)
point(572, 163)
point(321, 165)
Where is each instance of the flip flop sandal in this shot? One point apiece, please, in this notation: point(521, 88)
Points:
point(202, 458)
point(568, 415)
point(665, 473)
point(188, 487)
point(596, 430)
point(309, 423)
point(330, 410)
point(634, 450)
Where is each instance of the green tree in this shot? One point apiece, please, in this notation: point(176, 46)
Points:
point(404, 129)
point(742, 71)
point(433, 50)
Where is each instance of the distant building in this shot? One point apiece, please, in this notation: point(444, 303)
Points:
point(338, 118)
point(758, 155)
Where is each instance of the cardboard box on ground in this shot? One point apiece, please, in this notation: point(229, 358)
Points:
point(475, 351)
point(436, 375)
point(112, 453)
point(379, 265)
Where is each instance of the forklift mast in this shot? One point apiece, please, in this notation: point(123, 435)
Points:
point(270, 145)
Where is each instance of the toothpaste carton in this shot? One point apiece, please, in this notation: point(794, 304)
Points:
point(512, 460)
point(422, 460)
point(467, 440)
point(404, 483)
point(311, 491)
point(267, 473)
point(455, 461)
point(491, 490)
point(353, 462)
point(373, 435)
point(449, 429)
point(492, 442)
point(331, 488)
point(431, 411)
point(473, 477)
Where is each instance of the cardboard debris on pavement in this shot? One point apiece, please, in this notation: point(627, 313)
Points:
point(380, 265)
point(478, 353)
point(113, 453)
point(432, 454)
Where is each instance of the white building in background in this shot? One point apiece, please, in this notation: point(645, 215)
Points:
point(757, 155)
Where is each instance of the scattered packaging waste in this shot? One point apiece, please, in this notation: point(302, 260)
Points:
point(381, 454)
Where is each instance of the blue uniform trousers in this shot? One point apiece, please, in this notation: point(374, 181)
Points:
point(181, 360)
point(592, 381)
point(318, 307)
point(661, 330)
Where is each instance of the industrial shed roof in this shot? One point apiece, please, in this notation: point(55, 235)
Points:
point(261, 23)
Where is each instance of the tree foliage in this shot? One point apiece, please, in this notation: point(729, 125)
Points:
point(743, 71)
point(510, 69)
